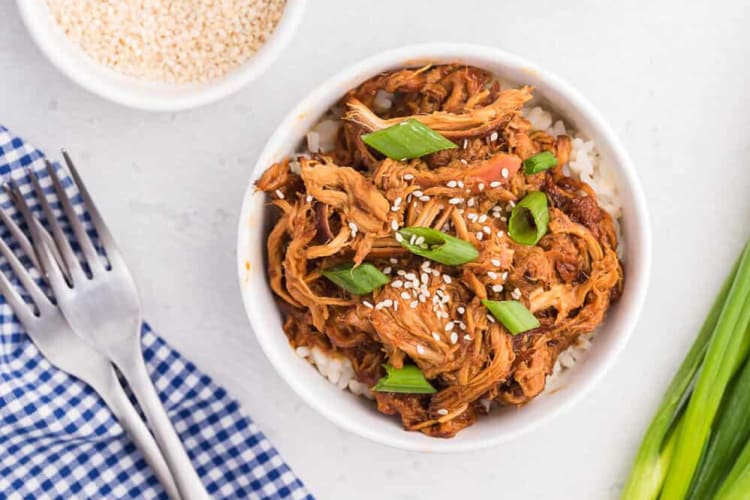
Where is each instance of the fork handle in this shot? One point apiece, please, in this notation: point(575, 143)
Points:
point(134, 370)
point(110, 390)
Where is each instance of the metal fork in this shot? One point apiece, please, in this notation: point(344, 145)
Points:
point(104, 308)
point(55, 339)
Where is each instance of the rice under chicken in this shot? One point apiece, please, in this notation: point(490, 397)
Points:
point(344, 202)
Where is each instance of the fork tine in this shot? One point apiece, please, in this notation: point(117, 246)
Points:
point(16, 232)
point(63, 245)
point(92, 257)
point(36, 293)
point(105, 238)
point(21, 309)
point(14, 193)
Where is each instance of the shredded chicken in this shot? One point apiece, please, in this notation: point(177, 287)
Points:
point(346, 205)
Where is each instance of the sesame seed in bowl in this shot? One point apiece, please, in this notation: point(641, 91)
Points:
point(161, 55)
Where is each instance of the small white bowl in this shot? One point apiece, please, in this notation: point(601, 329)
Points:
point(358, 415)
point(141, 94)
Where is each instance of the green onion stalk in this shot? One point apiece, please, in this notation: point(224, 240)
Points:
point(726, 350)
point(737, 484)
point(728, 437)
point(653, 458)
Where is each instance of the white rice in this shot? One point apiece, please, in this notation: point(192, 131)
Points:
point(336, 369)
point(585, 164)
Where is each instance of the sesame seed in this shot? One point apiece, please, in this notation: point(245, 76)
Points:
point(447, 279)
point(461, 310)
point(492, 275)
point(408, 177)
point(442, 411)
point(495, 262)
point(516, 293)
point(420, 349)
point(471, 202)
point(399, 238)
point(481, 186)
point(410, 276)
point(405, 295)
point(425, 278)
point(464, 161)
point(419, 240)
point(455, 201)
point(387, 270)
point(462, 325)
point(387, 303)
point(465, 144)
point(487, 229)
point(308, 198)
point(493, 136)
point(497, 288)
point(394, 225)
point(495, 184)
point(472, 216)
point(504, 173)
point(467, 337)
point(425, 265)
point(417, 193)
point(379, 306)
point(367, 304)
point(452, 184)
point(482, 219)
point(395, 305)
point(397, 283)
point(454, 338)
point(480, 236)
point(460, 184)
point(353, 228)
point(449, 327)
point(436, 336)
point(424, 198)
point(490, 318)
point(500, 234)
point(393, 260)
point(279, 194)
point(414, 304)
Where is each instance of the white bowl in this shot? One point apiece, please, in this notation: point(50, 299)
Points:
point(358, 415)
point(141, 94)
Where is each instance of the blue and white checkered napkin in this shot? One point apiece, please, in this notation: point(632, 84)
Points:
point(59, 440)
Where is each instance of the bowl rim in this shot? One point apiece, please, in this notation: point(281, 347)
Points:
point(190, 96)
point(640, 269)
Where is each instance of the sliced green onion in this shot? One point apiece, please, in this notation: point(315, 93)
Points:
point(539, 163)
point(728, 346)
point(408, 139)
point(357, 280)
point(529, 219)
point(436, 245)
point(512, 314)
point(407, 380)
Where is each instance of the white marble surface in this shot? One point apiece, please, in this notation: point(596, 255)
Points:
point(673, 79)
